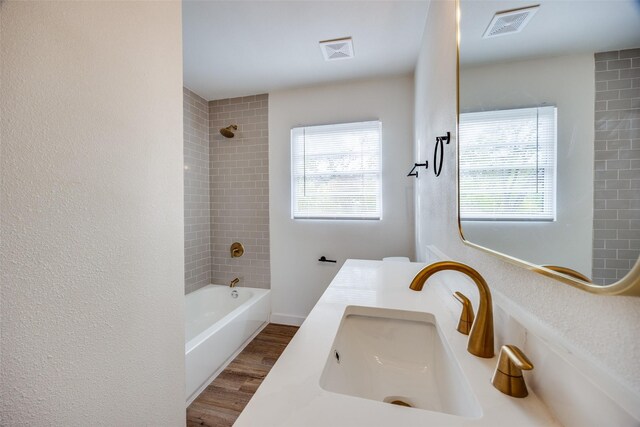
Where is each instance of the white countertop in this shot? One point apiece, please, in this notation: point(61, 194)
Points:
point(291, 394)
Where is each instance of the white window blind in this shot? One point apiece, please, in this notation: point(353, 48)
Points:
point(336, 171)
point(508, 165)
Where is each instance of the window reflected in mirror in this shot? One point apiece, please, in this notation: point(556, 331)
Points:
point(549, 133)
point(507, 165)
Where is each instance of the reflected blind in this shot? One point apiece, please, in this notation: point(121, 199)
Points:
point(336, 171)
point(508, 164)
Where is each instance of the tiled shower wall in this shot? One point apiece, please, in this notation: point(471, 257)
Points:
point(197, 229)
point(616, 226)
point(239, 190)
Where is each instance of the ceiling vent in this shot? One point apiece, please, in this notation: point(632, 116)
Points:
point(510, 21)
point(337, 49)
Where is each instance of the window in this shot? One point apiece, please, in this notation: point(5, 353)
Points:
point(336, 171)
point(508, 165)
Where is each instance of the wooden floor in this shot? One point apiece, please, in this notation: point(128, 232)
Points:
point(220, 404)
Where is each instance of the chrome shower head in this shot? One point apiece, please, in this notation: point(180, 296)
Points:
point(228, 131)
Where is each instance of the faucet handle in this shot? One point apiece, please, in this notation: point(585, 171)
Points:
point(508, 374)
point(467, 316)
point(237, 250)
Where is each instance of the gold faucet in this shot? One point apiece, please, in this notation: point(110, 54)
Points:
point(481, 335)
point(467, 316)
point(569, 272)
point(234, 282)
point(508, 374)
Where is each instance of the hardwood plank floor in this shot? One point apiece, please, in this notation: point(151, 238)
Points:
point(220, 404)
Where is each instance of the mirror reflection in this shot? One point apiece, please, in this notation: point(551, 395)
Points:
point(549, 133)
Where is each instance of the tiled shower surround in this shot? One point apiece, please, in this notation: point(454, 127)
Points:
point(239, 191)
point(616, 225)
point(226, 191)
point(197, 220)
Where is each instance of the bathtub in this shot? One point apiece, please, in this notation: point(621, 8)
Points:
point(217, 326)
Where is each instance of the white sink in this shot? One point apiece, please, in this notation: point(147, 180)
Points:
point(395, 355)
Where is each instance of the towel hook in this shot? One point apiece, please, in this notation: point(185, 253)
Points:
point(418, 165)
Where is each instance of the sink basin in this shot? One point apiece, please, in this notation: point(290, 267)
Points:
point(399, 357)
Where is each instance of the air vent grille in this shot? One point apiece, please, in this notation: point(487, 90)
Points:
point(337, 49)
point(510, 21)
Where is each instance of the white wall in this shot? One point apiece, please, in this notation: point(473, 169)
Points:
point(603, 330)
point(297, 278)
point(92, 210)
point(568, 82)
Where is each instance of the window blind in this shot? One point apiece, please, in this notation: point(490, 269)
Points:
point(508, 164)
point(336, 171)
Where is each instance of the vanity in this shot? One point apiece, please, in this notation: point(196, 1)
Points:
point(317, 382)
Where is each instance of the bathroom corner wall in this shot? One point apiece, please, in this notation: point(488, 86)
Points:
point(616, 226)
point(197, 219)
point(239, 190)
point(601, 330)
point(298, 279)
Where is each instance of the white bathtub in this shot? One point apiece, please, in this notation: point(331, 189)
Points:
point(217, 326)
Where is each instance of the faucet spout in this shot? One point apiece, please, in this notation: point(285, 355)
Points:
point(481, 335)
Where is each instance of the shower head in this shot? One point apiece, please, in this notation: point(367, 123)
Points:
point(228, 131)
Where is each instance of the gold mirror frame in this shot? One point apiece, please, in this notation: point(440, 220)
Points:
point(629, 285)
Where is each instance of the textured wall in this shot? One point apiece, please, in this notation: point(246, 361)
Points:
point(92, 210)
point(601, 330)
point(239, 193)
point(616, 240)
point(197, 217)
point(298, 278)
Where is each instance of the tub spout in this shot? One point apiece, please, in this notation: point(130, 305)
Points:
point(234, 282)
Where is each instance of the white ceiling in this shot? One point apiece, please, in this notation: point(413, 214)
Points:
point(237, 48)
point(560, 27)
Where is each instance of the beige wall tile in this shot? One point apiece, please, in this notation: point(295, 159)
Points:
point(239, 190)
point(197, 218)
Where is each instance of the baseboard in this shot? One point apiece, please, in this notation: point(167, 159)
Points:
point(286, 319)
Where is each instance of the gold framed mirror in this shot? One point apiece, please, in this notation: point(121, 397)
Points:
point(548, 137)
